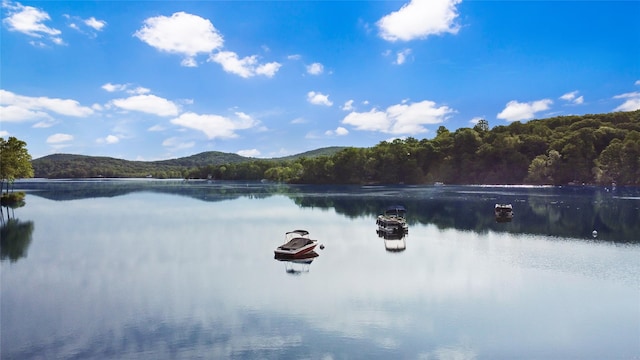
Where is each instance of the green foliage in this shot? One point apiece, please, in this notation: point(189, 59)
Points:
point(600, 148)
point(15, 161)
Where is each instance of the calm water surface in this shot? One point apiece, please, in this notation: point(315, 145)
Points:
point(150, 269)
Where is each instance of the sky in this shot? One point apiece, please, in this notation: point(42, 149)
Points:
point(154, 80)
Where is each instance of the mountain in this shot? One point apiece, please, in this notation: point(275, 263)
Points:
point(79, 166)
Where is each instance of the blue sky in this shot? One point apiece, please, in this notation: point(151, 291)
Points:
point(152, 80)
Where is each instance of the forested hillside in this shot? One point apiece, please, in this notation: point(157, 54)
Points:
point(591, 149)
point(600, 148)
point(81, 166)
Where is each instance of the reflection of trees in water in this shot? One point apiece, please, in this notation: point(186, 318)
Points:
point(61, 190)
point(15, 235)
point(572, 213)
point(557, 211)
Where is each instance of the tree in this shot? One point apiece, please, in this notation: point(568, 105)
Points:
point(15, 161)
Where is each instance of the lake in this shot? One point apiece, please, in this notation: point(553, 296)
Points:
point(124, 269)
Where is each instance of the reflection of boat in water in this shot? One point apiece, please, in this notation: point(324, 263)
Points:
point(393, 221)
point(504, 212)
point(296, 243)
point(393, 242)
point(298, 264)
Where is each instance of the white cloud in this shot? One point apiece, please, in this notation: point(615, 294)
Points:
point(4, 133)
point(249, 153)
point(339, 131)
point(30, 21)
point(348, 105)
point(515, 110)
point(294, 57)
point(419, 19)
point(245, 67)
point(156, 128)
point(299, 121)
point(637, 82)
point(182, 33)
point(216, 126)
point(268, 69)
point(43, 124)
point(318, 98)
point(175, 144)
point(401, 56)
point(475, 120)
point(14, 113)
point(315, 69)
point(149, 104)
point(59, 138)
point(572, 97)
point(400, 119)
point(95, 23)
point(109, 87)
point(631, 103)
point(22, 108)
point(110, 139)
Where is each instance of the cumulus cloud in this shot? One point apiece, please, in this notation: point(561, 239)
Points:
point(515, 110)
point(405, 118)
point(110, 139)
point(181, 33)
point(317, 98)
point(348, 105)
point(29, 21)
point(339, 131)
point(14, 113)
point(631, 103)
point(17, 108)
point(59, 138)
point(401, 56)
point(475, 120)
point(190, 35)
point(249, 153)
point(95, 23)
point(109, 87)
point(315, 69)
point(216, 126)
point(139, 90)
point(573, 97)
point(149, 104)
point(419, 19)
point(86, 26)
point(245, 67)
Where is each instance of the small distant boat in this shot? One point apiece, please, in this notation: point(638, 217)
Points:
point(393, 220)
point(504, 212)
point(296, 243)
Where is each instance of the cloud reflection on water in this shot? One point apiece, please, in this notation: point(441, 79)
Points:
point(150, 273)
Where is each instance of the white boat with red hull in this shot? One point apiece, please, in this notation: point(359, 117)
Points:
point(296, 243)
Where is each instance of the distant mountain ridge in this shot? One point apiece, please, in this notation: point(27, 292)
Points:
point(73, 165)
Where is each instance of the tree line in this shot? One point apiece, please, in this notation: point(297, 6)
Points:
point(589, 149)
point(15, 162)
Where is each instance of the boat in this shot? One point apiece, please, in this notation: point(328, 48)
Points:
point(296, 243)
point(504, 212)
point(393, 220)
